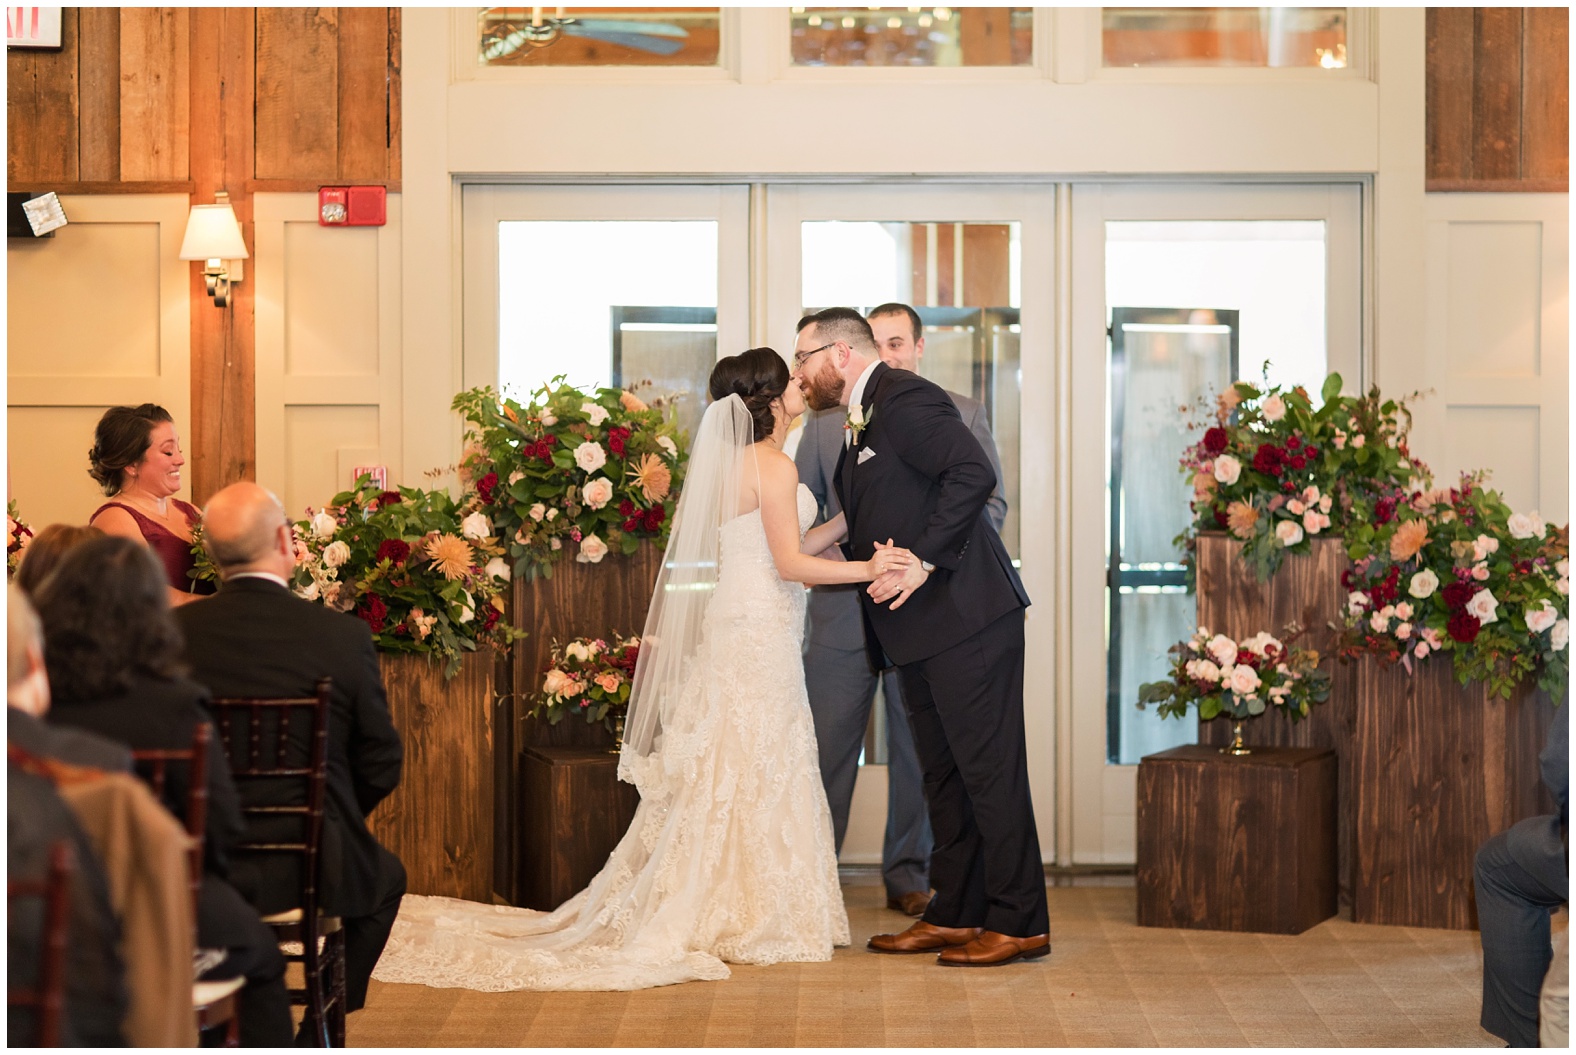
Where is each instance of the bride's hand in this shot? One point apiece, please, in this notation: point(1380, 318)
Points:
point(888, 557)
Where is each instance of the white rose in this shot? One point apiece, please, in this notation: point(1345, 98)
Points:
point(336, 554)
point(577, 651)
point(1325, 504)
point(1387, 611)
point(1526, 525)
point(549, 418)
point(1227, 469)
point(1296, 507)
point(516, 476)
point(476, 526)
point(467, 607)
point(1482, 546)
point(1273, 408)
point(309, 592)
point(1223, 649)
point(552, 514)
point(1403, 631)
point(1379, 622)
point(1403, 610)
point(669, 446)
point(590, 456)
point(1421, 651)
point(1207, 670)
point(1244, 679)
point(1423, 585)
point(1289, 532)
point(1314, 521)
point(595, 412)
point(592, 550)
point(324, 526)
point(553, 684)
point(538, 511)
point(497, 569)
point(1483, 606)
point(598, 492)
point(1560, 636)
point(1356, 601)
point(1541, 618)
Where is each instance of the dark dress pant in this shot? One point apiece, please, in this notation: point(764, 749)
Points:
point(366, 935)
point(226, 921)
point(966, 708)
point(1514, 904)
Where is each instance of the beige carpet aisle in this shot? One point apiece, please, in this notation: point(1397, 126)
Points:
point(1107, 982)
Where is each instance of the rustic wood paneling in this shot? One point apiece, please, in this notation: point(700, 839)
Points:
point(363, 94)
point(396, 87)
point(98, 77)
point(297, 93)
point(987, 265)
point(1449, 92)
point(223, 340)
point(1306, 591)
point(1496, 93)
point(574, 810)
point(1439, 768)
point(580, 600)
point(439, 821)
point(155, 93)
point(1545, 104)
point(1242, 843)
point(41, 109)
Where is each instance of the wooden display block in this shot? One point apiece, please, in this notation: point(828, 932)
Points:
point(1306, 590)
point(439, 821)
point(574, 810)
point(1439, 768)
point(1237, 842)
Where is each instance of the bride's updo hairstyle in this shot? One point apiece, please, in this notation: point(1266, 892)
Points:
point(758, 376)
point(123, 436)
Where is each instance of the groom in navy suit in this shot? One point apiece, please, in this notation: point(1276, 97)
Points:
point(953, 624)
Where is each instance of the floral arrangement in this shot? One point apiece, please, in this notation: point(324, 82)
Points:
point(600, 470)
point(1239, 679)
point(422, 577)
point(17, 537)
point(1275, 472)
point(591, 678)
point(1456, 571)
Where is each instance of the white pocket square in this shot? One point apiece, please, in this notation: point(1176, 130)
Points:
point(865, 455)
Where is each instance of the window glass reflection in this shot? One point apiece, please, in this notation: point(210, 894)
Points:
point(598, 36)
point(912, 36)
point(1224, 36)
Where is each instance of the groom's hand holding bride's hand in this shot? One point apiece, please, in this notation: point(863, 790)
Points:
point(898, 581)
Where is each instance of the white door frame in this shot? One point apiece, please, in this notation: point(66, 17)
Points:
point(1099, 806)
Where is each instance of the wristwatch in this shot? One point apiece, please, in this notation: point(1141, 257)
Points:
point(926, 566)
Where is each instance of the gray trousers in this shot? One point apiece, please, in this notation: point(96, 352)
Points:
point(1513, 906)
point(842, 687)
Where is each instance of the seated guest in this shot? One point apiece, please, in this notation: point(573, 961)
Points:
point(256, 638)
point(114, 659)
point(136, 458)
point(48, 546)
point(1522, 876)
point(36, 819)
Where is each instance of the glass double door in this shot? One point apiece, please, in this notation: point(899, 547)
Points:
point(647, 287)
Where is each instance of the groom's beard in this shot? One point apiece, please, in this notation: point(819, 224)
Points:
point(825, 390)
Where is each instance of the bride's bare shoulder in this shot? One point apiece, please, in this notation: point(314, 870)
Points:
point(777, 469)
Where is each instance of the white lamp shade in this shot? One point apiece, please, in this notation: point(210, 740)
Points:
point(211, 232)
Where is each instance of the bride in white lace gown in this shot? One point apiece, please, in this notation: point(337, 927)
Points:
point(730, 857)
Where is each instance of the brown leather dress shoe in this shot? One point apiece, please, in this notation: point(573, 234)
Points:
point(992, 950)
point(913, 903)
point(923, 937)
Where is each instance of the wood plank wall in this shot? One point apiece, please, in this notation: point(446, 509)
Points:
point(1498, 99)
point(198, 100)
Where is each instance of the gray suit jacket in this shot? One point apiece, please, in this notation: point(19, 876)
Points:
point(834, 610)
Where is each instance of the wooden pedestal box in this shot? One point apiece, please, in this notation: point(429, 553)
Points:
point(1439, 768)
point(1306, 590)
point(439, 821)
point(573, 810)
point(1244, 842)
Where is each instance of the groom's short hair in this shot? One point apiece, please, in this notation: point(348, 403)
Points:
point(841, 324)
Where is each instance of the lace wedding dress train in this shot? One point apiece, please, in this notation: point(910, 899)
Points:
point(730, 857)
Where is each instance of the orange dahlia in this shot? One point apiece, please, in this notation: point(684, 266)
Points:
point(1408, 539)
point(653, 477)
point(451, 555)
point(1241, 518)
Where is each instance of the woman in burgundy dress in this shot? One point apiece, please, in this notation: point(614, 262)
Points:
point(136, 458)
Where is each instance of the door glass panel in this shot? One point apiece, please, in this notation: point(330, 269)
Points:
point(912, 36)
point(963, 280)
point(1224, 36)
point(597, 36)
point(621, 303)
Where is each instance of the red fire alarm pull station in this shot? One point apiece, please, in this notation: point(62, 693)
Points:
point(352, 206)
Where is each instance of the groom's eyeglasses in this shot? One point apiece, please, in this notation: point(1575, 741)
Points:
point(800, 358)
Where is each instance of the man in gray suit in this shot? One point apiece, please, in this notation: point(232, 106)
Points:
point(837, 671)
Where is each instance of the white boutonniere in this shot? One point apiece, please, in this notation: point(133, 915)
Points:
point(858, 420)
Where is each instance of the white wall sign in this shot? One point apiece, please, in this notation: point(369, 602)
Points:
point(32, 27)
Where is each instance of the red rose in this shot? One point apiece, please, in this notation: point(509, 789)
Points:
point(1294, 443)
point(487, 488)
point(1384, 510)
point(1297, 461)
point(1215, 440)
point(1457, 594)
point(626, 508)
point(490, 618)
point(373, 612)
point(1220, 517)
point(615, 440)
point(390, 498)
point(1245, 656)
point(654, 517)
point(1268, 459)
point(1464, 627)
point(395, 550)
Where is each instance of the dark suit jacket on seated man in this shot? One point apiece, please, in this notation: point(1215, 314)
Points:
point(256, 638)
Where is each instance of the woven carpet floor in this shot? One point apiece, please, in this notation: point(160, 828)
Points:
point(1107, 982)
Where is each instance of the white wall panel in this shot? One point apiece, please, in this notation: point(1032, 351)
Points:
point(1494, 283)
point(313, 438)
point(48, 463)
point(331, 300)
point(1504, 440)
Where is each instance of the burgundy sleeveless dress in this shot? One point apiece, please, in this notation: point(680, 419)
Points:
point(174, 552)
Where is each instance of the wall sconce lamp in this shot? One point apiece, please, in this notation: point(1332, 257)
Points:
point(213, 235)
